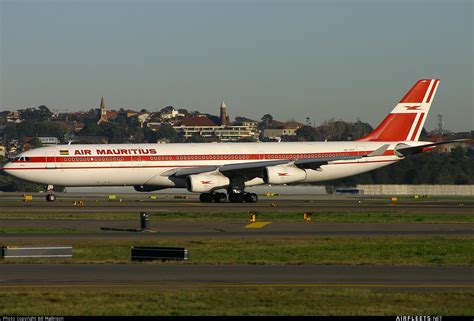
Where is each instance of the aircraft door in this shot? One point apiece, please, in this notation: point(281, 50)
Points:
point(136, 160)
point(50, 159)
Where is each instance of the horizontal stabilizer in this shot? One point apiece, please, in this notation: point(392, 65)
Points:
point(379, 151)
point(405, 150)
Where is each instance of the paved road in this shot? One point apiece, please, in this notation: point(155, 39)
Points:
point(170, 275)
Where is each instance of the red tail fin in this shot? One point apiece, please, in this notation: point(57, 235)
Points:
point(406, 120)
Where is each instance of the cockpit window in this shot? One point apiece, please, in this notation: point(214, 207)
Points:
point(21, 159)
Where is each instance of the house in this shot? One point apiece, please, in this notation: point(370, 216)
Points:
point(199, 125)
point(170, 114)
point(203, 126)
point(142, 118)
point(277, 129)
point(14, 117)
point(47, 141)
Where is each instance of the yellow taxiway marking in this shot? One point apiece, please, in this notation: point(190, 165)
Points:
point(257, 225)
point(242, 285)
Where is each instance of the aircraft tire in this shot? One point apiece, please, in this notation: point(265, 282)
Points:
point(250, 197)
point(205, 197)
point(236, 197)
point(219, 197)
point(50, 197)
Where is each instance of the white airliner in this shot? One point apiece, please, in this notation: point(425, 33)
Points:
point(207, 168)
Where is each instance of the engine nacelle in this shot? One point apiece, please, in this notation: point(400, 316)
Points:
point(206, 182)
point(283, 174)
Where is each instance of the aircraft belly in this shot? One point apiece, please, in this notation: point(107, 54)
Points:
point(89, 177)
point(335, 171)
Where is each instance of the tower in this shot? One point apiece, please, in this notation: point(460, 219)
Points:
point(224, 117)
point(440, 124)
point(103, 112)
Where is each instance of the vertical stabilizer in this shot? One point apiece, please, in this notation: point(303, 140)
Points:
point(406, 120)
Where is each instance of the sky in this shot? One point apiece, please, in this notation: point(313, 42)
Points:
point(328, 59)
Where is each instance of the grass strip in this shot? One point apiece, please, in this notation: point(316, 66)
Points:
point(326, 217)
point(444, 251)
point(40, 230)
point(232, 301)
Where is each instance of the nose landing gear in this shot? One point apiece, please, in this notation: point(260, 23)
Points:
point(50, 197)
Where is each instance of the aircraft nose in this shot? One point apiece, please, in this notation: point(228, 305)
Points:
point(6, 167)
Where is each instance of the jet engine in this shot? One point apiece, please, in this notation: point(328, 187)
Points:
point(206, 182)
point(283, 174)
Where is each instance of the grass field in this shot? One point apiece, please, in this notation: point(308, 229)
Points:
point(341, 217)
point(231, 301)
point(319, 250)
point(42, 230)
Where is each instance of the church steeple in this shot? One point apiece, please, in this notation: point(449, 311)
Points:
point(103, 112)
point(224, 117)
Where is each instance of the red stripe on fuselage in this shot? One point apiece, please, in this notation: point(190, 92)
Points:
point(178, 158)
point(167, 166)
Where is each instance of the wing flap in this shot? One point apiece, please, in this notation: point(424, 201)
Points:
point(190, 171)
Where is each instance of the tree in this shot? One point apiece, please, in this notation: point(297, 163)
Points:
point(196, 139)
point(306, 133)
point(168, 132)
point(183, 111)
point(167, 110)
point(11, 132)
point(115, 133)
point(90, 129)
point(51, 129)
point(239, 119)
point(266, 120)
point(37, 115)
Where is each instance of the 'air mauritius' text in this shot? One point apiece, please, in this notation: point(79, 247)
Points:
point(117, 151)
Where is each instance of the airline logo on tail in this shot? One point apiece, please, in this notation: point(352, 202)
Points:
point(406, 120)
point(412, 107)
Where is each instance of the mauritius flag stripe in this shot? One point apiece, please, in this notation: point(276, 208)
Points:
point(63, 152)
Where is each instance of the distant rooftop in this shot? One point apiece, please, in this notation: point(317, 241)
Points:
point(200, 120)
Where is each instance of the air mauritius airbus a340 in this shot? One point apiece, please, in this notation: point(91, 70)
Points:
point(208, 168)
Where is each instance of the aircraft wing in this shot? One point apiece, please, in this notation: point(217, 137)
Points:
point(250, 170)
point(315, 163)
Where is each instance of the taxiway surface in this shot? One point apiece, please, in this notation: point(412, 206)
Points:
point(169, 275)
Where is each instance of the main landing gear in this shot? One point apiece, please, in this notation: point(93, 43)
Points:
point(212, 197)
point(236, 192)
point(233, 197)
point(50, 197)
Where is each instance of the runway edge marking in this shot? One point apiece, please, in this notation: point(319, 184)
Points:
point(257, 225)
